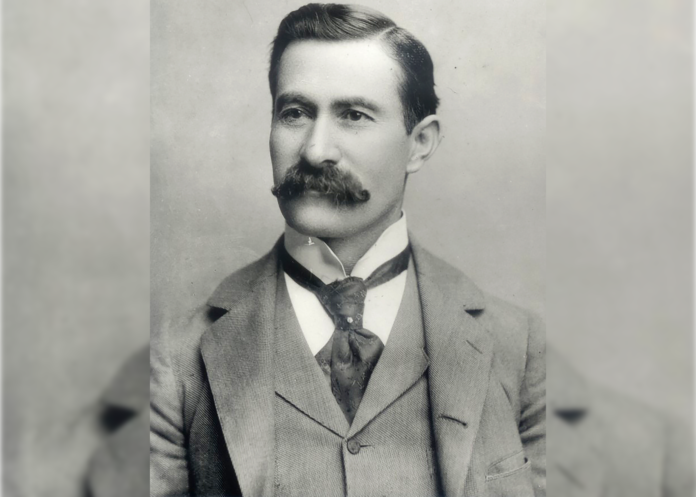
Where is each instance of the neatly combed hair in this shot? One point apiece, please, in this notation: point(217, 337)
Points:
point(337, 22)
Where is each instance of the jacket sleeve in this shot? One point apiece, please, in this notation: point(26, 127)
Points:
point(532, 425)
point(168, 458)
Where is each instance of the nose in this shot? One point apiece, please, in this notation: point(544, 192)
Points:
point(320, 148)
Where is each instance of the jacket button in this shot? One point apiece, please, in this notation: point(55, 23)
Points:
point(353, 446)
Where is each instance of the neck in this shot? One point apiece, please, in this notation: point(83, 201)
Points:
point(349, 250)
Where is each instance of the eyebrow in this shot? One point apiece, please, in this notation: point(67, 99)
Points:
point(348, 102)
point(341, 103)
point(292, 98)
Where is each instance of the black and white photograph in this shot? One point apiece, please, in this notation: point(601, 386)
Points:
point(279, 248)
point(347, 249)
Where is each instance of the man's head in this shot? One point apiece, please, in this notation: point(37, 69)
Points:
point(353, 114)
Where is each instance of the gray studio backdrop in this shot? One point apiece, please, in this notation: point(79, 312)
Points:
point(479, 203)
point(619, 197)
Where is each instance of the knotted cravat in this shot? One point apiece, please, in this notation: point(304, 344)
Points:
point(351, 354)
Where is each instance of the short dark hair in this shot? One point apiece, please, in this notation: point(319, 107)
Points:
point(337, 22)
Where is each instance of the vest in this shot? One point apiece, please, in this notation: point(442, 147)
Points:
point(388, 450)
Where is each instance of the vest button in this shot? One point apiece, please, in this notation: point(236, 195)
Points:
point(353, 446)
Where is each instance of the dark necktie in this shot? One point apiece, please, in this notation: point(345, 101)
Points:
point(352, 353)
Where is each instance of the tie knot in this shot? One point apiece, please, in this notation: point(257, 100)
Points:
point(345, 301)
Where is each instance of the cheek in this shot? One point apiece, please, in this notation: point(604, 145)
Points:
point(284, 152)
point(384, 160)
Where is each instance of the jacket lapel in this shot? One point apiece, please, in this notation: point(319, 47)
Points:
point(298, 378)
point(238, 355)
point(460, 354)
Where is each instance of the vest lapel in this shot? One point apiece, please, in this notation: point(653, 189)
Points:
point(460, 354)
point(298, 378)
point(403, 361)
point(238, 353)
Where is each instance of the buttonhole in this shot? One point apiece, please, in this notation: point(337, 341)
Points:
point(463, 423)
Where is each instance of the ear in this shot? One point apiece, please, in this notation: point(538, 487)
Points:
point(425, 139)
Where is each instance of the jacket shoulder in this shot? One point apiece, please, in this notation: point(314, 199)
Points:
point(510, 326)
point(519, 350)
point(231, 289)
point(508, 323)
point(176, 341)
point(507, 311)
point(517, 334)
point(243, 281)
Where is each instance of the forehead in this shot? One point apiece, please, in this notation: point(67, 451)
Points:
point(326, 70)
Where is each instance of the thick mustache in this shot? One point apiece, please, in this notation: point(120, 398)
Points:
point(340, 185)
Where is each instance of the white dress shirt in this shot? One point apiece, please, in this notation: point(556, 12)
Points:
point(381, 303)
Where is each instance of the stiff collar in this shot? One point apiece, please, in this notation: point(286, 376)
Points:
point(434, 276)
point(316, 255)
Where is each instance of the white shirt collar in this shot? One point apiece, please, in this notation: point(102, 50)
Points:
point(316, 255)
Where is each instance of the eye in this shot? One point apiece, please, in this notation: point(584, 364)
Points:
point(355, 116)
point(292, 116)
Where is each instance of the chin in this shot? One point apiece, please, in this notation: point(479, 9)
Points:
point(321, 218)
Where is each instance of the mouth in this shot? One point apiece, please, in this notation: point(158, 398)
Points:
point(310, 191)
point(313, 192)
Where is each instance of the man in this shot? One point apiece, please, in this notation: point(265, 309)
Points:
point(605, 444)
point(349, 360)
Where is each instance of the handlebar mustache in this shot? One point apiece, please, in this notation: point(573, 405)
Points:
point(341, 186)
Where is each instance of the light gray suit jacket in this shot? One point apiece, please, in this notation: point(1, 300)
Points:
point(212, 391)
